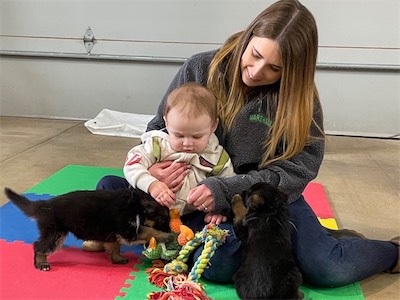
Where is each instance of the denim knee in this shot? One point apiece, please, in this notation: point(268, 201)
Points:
point(348, 261)
point(112, 182)
point(326, 272)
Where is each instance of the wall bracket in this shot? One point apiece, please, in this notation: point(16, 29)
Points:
point(88, 40)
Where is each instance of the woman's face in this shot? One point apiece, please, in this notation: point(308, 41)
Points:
point(261, 62)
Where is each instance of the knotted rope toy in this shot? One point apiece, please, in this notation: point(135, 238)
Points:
point(173, 277)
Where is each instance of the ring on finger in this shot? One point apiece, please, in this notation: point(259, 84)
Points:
point(205, 207)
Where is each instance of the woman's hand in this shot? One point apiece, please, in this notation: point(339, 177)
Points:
point(202, 198)
point(163, 195)
point(172, 174)
point(214, 218)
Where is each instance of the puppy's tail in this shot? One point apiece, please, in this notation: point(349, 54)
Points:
point(21, 202)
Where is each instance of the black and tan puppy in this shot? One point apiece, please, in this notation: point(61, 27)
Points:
point(268, 269)
point(112, 216)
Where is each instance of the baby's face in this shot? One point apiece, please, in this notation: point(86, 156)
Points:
point(188, 134)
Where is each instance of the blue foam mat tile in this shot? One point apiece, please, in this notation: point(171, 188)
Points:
point(15, 226)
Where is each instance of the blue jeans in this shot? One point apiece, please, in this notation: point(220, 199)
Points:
point(322, 259)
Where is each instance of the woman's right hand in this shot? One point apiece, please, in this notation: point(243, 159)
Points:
point(171, 173)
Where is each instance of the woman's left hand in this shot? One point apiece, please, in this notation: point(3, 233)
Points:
point(202, 198)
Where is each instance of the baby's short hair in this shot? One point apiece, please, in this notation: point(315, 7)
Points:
point(193, 99)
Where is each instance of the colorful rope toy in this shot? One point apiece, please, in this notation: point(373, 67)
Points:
point(172, 277)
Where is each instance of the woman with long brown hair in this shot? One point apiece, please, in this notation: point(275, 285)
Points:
point(271, 125)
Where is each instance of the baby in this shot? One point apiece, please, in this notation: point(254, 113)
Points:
point(190, 117)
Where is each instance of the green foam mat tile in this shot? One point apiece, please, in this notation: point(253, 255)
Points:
point(72, 178)
point(220, 291)
point(349, 292)
point(140, 287)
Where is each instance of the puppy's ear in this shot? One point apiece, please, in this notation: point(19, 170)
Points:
point(150, 207)
point(147, 203)
point(255, 200)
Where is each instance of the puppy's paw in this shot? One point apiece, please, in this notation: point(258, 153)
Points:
point(43, 266)
point(236, 199)
point(254, 201)
point(238, 208)
point(40, 262)
point(119, 260)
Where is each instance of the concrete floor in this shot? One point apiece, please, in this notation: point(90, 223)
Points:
point(361, 176)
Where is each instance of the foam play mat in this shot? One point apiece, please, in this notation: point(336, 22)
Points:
point(77, 274)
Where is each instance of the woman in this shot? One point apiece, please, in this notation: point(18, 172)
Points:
point(271, 126)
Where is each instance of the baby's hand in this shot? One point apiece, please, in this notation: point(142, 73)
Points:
point(163, 195)
point(214, 218)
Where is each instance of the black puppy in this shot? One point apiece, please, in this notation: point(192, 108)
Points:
point(112, 216)
point(268, 269)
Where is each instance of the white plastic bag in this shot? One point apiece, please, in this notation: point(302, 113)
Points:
point(115, 123)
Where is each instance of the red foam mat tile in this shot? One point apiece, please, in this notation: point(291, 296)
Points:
point(315, 196)
point(75, 274)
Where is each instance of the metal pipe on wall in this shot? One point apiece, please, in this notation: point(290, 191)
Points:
point(181, 60)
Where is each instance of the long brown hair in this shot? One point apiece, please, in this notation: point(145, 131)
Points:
point(293, 27)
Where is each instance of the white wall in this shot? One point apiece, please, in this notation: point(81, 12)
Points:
point(124, 71)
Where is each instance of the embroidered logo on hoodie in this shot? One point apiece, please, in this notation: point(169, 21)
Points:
point(260, 119)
